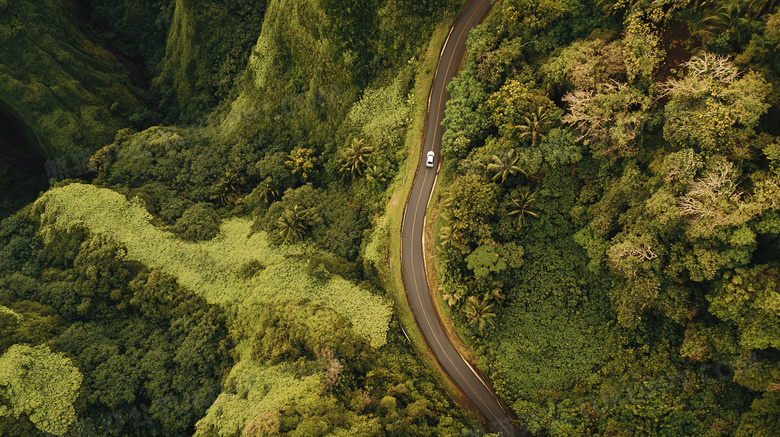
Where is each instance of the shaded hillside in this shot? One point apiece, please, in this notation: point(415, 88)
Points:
point(22, 170)
point(71, 92)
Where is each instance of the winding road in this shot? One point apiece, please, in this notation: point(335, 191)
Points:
point(476, 389)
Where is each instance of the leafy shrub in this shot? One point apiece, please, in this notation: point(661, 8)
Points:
point(120, 323)
point(199, 222)
point(42, 385)
point(712, 106)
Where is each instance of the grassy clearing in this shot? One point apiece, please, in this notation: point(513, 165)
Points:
point(211, 268)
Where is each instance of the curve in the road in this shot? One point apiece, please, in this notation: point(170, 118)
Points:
point(476, 389)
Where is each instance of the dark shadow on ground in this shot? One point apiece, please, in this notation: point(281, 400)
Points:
point(22, 173)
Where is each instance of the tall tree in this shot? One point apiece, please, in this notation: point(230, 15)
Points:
point(353, 158)
point(292, 224)
point(302, 161)
point(268, 190)
point(750, 300)
point(610, 119)
point(713, 108)
point(535, 125)
point(505, 165)
point(479, 312)
point(520, 205)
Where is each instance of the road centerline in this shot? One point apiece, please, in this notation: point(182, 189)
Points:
point(476, 389)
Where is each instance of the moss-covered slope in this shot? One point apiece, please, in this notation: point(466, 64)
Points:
point(68, 90)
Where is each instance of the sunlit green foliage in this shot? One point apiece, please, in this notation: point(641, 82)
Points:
point(306, 368)
point(253, 392)
point(466, 121)
point(302, 161)
point(486, 259)
point(206, 48)
point(354, 157)
point(645, 302)
point(135, 335)
point(291, 225)
point(198, 222)
point(332, 219)
point(750, 300)
point(543, 347)
point(211, 267)
point(479, 312)
point(609, 119)
point(382, 113)
point(41, 384)
point(520, 205)
point(140, 285)
point(298, 362)
point(585, 65)
point(504, 165)
point(712, 106)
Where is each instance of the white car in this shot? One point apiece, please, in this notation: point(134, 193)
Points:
point(429, 161)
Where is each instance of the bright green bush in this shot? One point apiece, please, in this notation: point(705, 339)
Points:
point(642, 244)
point(199, 222)
point(252, 391)
point(40, 384)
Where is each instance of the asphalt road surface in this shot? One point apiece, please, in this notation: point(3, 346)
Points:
point(481, 396)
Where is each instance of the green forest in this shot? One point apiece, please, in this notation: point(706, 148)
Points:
point(197, 217)
point(607, 239)
point(197, 265)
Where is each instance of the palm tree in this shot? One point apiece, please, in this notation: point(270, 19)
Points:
point(505, 165)
point(354, 157)
point(759, 7)
point(729, 17)
point(478, 311)
point(268, 190)
point(452, 299)
point(495, 292)
point(520, 205)
point(375, 174)
point(610, 7)
point(445, 235)
point(448, 236)
point(448, 199)
point(292, 224)
point(230, 187)
point(533, 126)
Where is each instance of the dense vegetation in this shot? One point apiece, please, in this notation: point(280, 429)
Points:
point(132, 336)
point(210, 279)
point(608, 235)
point(70, 91)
